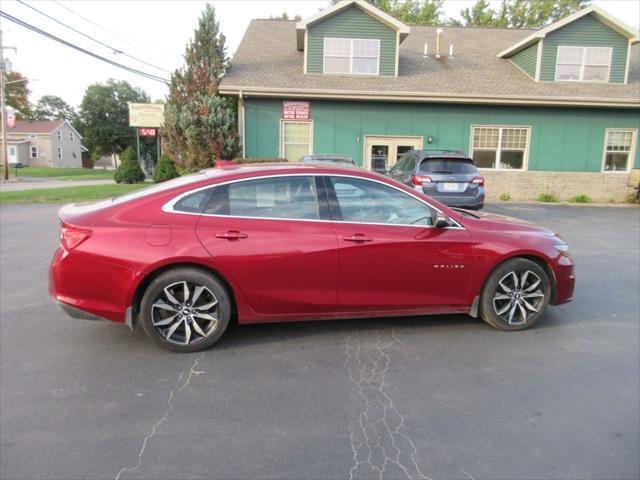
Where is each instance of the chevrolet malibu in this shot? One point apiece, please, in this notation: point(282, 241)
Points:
point(284, 242)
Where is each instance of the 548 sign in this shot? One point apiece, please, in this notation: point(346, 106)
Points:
point(148, 132)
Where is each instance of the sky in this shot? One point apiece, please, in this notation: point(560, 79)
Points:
point(155, 32)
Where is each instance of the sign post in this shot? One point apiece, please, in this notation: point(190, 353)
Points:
point(147, 118)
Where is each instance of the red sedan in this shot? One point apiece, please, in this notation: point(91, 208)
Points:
point(287, 242)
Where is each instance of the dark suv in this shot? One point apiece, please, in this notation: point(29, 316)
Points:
point(449, 176)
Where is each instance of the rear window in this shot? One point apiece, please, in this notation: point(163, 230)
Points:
point(159, 187)
point(449, 166)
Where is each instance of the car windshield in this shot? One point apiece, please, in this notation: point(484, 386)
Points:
point(447, 166)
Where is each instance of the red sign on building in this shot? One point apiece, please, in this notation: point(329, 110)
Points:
point(293, 110)
point(148, 132)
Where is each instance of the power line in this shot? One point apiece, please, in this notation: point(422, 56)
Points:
point(114, 49)
point(116, 34)
point(80, 49)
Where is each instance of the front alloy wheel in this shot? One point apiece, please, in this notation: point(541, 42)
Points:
point(515, 295)
point(185, 310)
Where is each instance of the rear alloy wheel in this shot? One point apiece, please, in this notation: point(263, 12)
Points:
point(185, 310)
point(515, 295)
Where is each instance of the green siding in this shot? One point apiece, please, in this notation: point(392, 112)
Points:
point(527, 59)
point(351, 23)
point(585, 32)
point(562, 139)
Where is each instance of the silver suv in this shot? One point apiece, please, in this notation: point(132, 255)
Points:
point(449, 176)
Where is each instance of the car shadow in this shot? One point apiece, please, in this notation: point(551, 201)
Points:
point(239, 336)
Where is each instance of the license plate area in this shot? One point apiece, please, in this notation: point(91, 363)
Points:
point(450, 187)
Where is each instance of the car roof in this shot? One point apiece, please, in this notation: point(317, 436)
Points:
point(276, 168)
point(442, 154)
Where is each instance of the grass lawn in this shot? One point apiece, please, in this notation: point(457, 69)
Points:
point(69, 194)
point(59, 173)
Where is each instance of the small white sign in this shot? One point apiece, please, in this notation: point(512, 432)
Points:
point(146, 115)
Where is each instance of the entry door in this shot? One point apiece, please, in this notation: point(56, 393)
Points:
point(382, 153)
point(13, 155)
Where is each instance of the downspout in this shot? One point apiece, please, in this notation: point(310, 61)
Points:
point(241, 122)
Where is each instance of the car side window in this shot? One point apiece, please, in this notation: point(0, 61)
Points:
point(292, 197)
point(399, 166)
point(194, 202)
point(365, 201)
point(410, 165)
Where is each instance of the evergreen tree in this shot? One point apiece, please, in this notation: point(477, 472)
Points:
point(416, 12)
point(200, 125)
point(129, 170)
point(165, 170)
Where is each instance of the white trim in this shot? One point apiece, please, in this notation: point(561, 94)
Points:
point(241, 123)
point(397, 53)
point(309, 122)
point(368, 8)
point(31, 147)
point(600, 14)
point(399, 96)
point(632, 151)
point(525, 159)
point(583, 64)
point(539, 60)
point(351, 56)
point(306, 49)
point(626, 67)
point(168, 207)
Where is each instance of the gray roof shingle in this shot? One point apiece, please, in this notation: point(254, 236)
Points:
point(267, 60)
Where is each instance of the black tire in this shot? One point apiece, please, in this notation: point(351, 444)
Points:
point(173, 281)
point(530, 299)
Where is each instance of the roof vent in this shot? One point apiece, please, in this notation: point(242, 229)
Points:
point(439, 54)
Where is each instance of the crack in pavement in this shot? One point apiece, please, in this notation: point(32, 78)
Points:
point(181, 386)
point(380, 447)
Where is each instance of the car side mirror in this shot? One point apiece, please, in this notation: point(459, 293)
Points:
point(442, 221)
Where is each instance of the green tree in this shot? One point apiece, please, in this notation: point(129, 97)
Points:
point(17, 95)
point(104, 117)
point(520, 13)
point(482, 15)
point(165, 169)
point(129, 170)
point(51, 107)
point(285, 16)
point(200, 125)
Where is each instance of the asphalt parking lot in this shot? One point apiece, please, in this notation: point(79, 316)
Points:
point(429, 397)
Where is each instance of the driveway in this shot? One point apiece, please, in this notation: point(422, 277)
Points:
point(431, 397)
point(41, 183)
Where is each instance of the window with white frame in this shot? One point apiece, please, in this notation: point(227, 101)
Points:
point(59, 149)
point(618, 150)
point(351, 55)
point(59, 134)
point(296, 140)
point(34, 151)
point(502, 148)
point(583, 64)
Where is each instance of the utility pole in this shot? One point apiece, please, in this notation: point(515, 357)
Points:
point(5, 159)
point(3, 87)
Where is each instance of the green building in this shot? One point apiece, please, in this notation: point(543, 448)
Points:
point(555, 109)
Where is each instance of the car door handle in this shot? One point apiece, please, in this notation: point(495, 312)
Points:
point(232, 235)
point(356, 237)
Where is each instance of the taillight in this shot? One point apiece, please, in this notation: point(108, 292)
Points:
point(420, 179)
point(478, 181)
point(71, 237)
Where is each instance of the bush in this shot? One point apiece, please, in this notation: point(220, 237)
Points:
point(547, 197)
point(165, 170)
point(129, 170)
point(581, 199)
point(632, 197)
point(505, 196)
point(242, 161)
